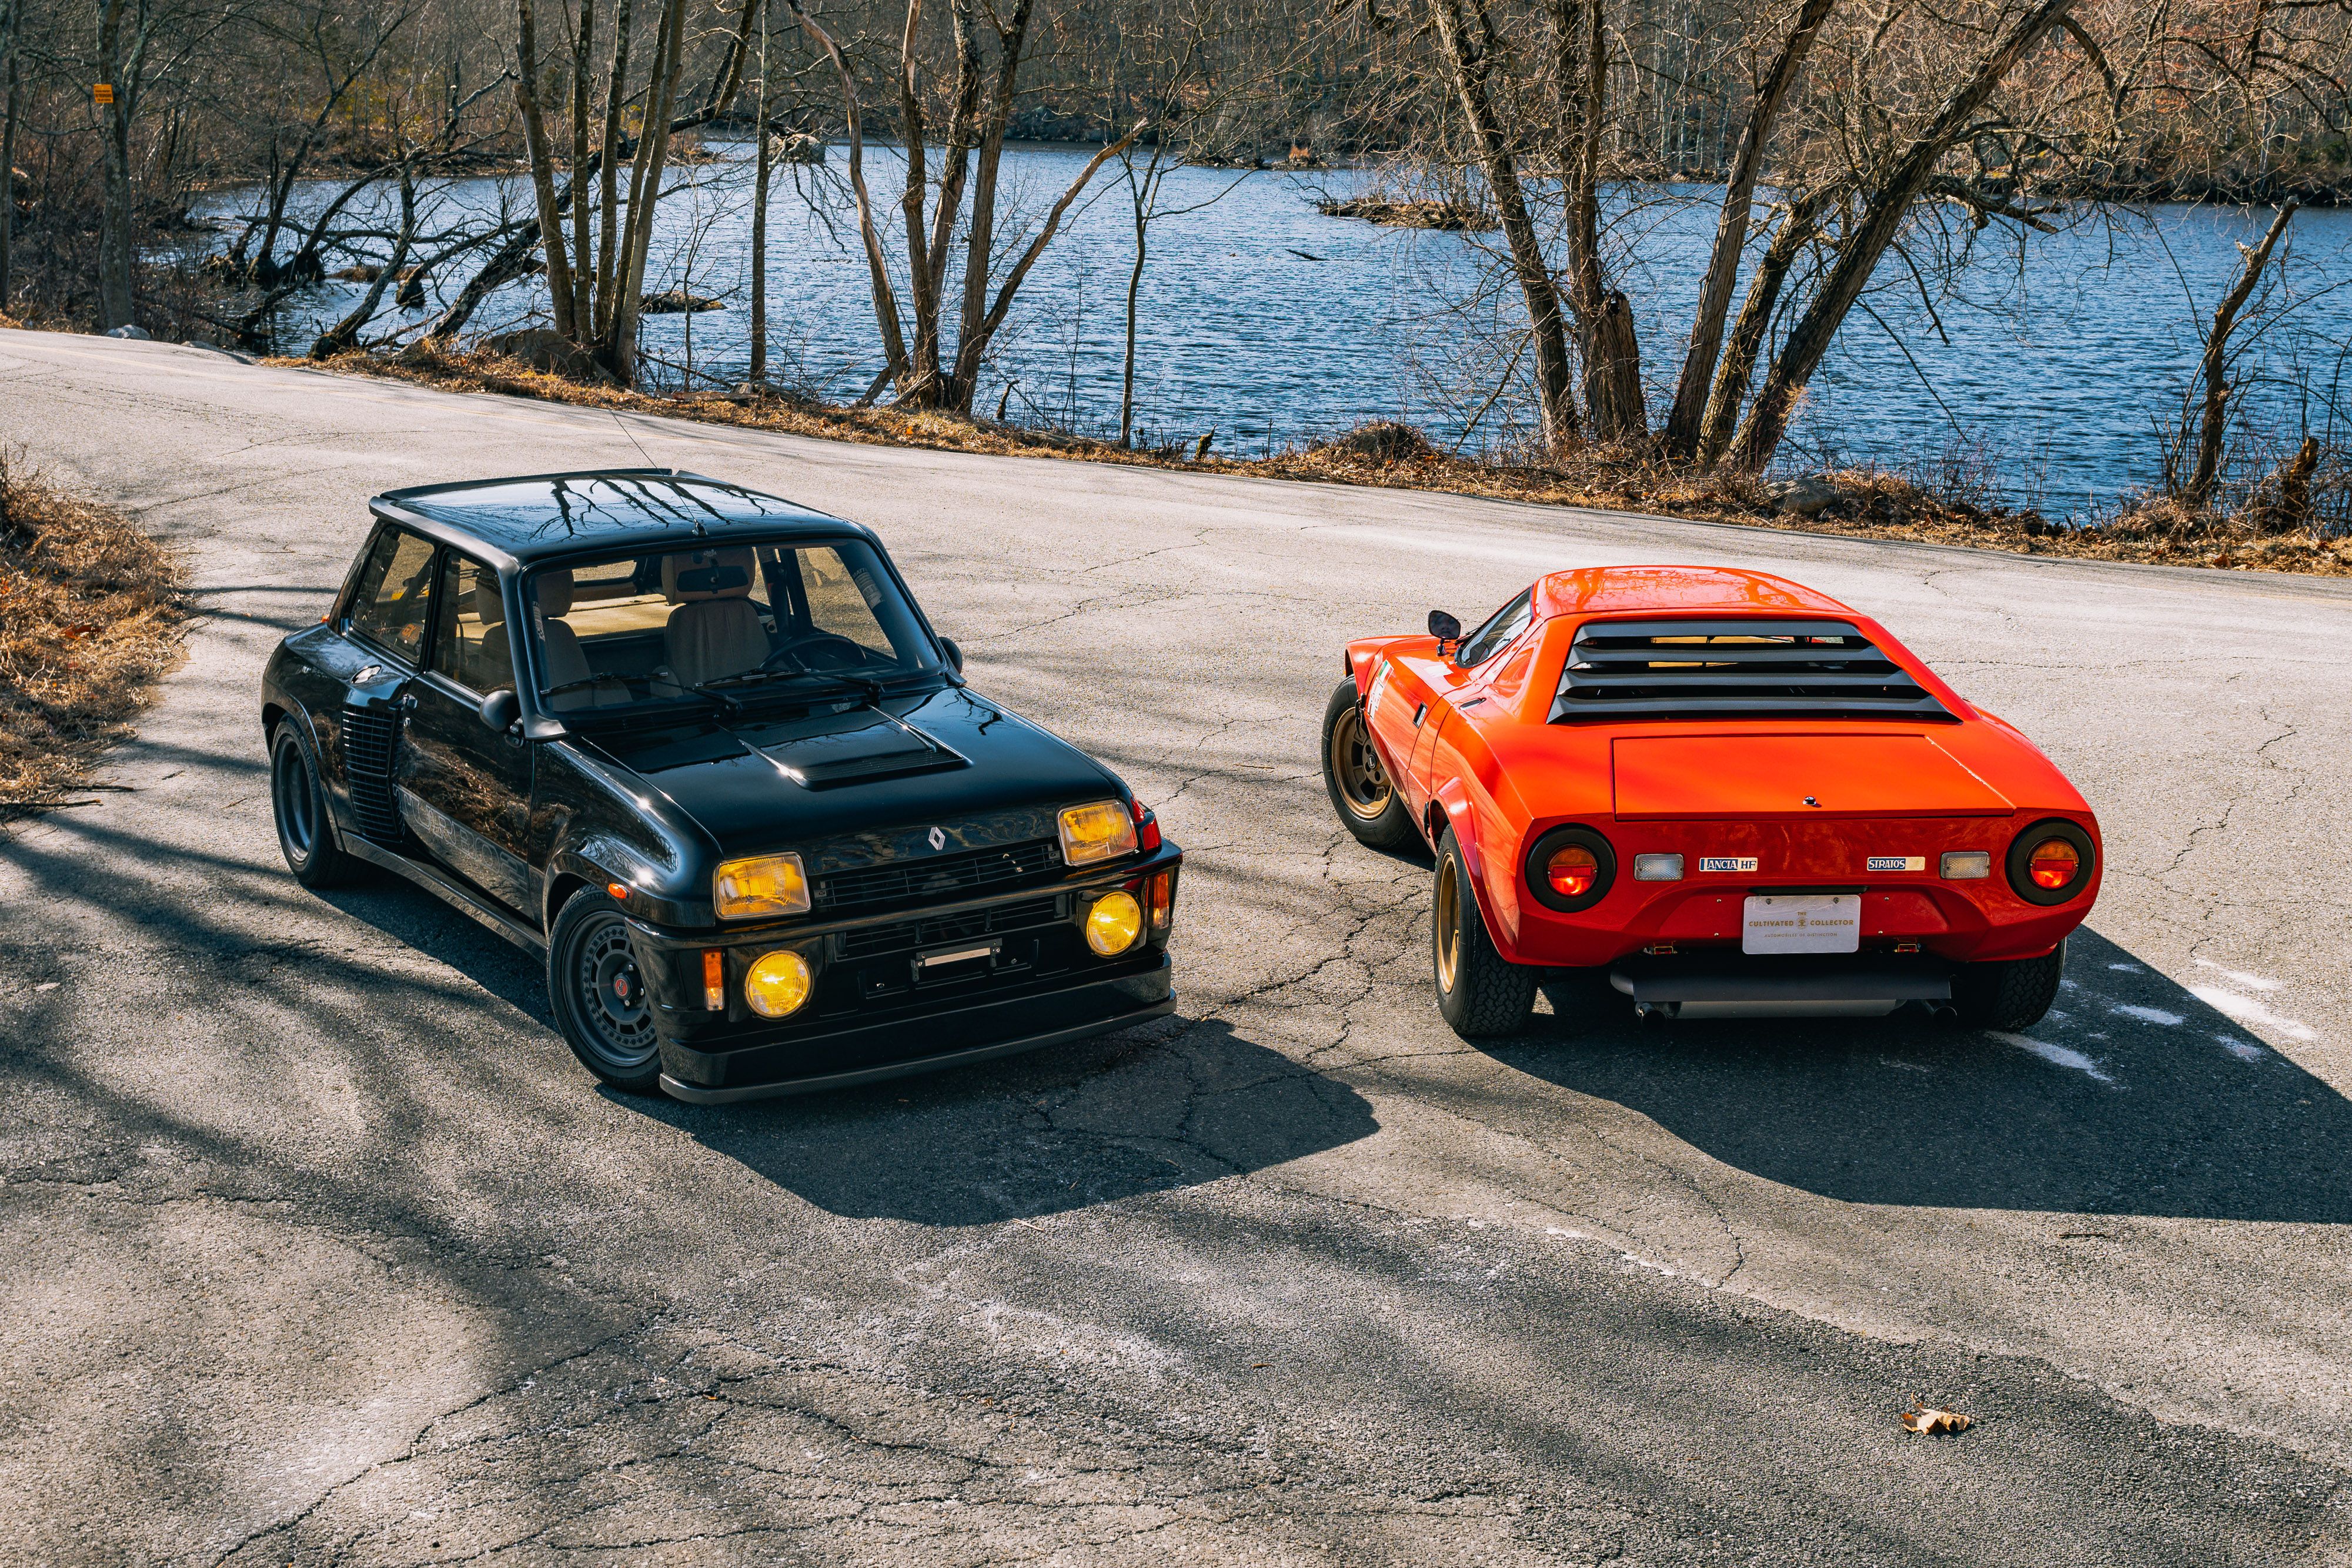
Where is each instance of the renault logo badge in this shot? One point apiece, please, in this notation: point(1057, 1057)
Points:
point(938, 839)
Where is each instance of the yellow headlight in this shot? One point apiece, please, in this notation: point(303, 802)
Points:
point(769, 885)
point(1099, 831)
point(1114, 923)
point(777, 984)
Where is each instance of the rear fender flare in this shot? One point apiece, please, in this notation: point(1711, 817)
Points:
point(306, 734)
point(1450, 807)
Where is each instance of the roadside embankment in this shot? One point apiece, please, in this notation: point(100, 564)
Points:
point(1865, 502)
point(91, 615)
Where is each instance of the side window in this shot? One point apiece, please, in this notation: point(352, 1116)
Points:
point(470, 644)
point(1497, 634)
point(395, 594)
point(841, 599)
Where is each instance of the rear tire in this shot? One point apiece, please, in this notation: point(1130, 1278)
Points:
point(2008, 996)
point(298, 804)
point(1360, 790)
point(1481, 993)
point(598, 996)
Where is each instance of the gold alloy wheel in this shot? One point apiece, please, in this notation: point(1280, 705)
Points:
point(1356, 768)
point(1448, 921)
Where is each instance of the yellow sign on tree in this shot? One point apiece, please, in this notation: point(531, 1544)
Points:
point(103, 93)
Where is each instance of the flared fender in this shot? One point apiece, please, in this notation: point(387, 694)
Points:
point(1453, 801)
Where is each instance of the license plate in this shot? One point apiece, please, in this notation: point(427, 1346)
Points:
point(943, 957)
point(1801, 923)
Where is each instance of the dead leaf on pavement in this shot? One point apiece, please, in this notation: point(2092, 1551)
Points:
point(1934, 1422)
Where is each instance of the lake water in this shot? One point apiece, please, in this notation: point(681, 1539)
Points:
point(1270, 323)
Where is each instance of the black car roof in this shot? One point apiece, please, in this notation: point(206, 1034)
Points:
point(534, 516)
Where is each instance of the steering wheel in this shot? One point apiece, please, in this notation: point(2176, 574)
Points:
point(846, 652)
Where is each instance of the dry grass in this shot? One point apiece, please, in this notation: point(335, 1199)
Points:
point(90, 611)
point(1872, 503)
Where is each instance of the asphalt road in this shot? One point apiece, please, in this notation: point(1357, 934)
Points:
point(316, 1244)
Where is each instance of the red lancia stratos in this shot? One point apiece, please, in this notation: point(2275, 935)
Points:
point(1727, 793)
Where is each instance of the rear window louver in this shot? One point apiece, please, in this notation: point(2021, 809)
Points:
point(1621, 670)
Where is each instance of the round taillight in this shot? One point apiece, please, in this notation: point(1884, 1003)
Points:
point(1571, 870)
point(2053, 864)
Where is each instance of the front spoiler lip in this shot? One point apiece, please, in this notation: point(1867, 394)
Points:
point(697, 1095)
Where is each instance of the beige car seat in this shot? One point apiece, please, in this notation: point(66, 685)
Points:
point(715, 630)
point(565, 661)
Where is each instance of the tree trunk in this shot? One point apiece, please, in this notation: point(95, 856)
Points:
point(2198, 494)
point(886, 298)
point(542, 173)
point(980, 245)
point(618, 350)
point(1465, 41)
point(8, 169)
point(345, 334)
point(1141, 198)
point(763, 169)
point(1604, 317)
point(1739, 356)
point(608, 170)
point(584, 88)
point(115, 257)
point(1861, 247)
point(1684, 424)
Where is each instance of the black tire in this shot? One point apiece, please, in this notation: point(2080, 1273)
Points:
point(2008, 996)
point(1481, 993)
point(598, 996)
point(298, 803)
point(1368, 804)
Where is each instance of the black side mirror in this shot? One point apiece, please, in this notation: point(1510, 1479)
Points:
point(501, 708)
point(955, 655)
point(1444, 627)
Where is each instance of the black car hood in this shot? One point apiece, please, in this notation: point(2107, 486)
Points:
point(950, 759)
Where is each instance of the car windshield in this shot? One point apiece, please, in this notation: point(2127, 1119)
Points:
point(725, 621)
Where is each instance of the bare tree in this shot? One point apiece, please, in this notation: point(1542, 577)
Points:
point(2214, 372)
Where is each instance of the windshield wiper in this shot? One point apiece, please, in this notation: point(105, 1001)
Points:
point(864, 687)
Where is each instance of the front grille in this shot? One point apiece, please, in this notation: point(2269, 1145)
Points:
point(907, 935)
point(936, 877)
point(1734, 669)
point(368, 738)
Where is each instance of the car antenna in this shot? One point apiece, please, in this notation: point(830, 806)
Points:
point(633, 439)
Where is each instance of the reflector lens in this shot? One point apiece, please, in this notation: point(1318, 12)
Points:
point(619, 893)
point(778, 984)
point(769, 885)
point(1966, 865)
point(1098, 831)
point(714, 981)
point(2053, 864)
point(1572, 870)
point(1657, 868)
point(1114, 923)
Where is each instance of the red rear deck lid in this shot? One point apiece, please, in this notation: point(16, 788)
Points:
point(1739, 775)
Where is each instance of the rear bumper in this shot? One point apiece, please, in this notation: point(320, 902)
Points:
point(813, 1060)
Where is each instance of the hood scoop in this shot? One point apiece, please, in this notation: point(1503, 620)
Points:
point(861, 747)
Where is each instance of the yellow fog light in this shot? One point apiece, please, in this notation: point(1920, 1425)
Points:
point(778, 984)
point(1103, 831)
point(768, 884)
point(1114, 922)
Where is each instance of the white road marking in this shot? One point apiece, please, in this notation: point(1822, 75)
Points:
point(2240, 977)
point(2056, 1055)
point(2127, 968)
point(2148, 1015)
point(2251, 1013)
point(2241, 1049)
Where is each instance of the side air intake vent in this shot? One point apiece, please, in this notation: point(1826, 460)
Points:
point(367, 769)
point(1620, 670)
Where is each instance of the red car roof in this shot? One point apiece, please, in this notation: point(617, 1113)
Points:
point(1613, 590)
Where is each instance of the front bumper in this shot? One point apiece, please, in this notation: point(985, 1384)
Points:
point(904, 990)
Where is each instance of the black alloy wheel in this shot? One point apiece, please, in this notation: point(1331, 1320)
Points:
point(1368, 803)
point(305, 836)
point(599, 995)
point(1481, 993)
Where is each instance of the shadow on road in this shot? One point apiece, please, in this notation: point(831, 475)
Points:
point(2133, 1097)
point(1067, 1128)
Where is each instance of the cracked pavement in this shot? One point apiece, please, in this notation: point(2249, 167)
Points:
point(315, 1244)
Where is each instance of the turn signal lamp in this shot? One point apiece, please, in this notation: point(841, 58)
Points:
point(1160, 894)
point(1657, 868)
point(2053, 864)
point(1114, 923)
point(1572, 870)
point(714, 981)
point(1966, 865)
point(778, 984)
point(1099, 830)
point(767, 884)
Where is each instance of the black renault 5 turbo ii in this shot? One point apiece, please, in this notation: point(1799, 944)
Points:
point(699, 747)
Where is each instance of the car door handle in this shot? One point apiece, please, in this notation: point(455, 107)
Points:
point(1419, 712)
